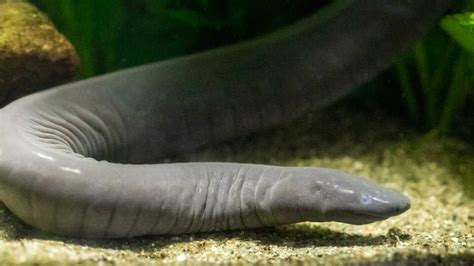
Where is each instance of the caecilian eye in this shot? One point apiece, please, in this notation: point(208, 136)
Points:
point(365, 199)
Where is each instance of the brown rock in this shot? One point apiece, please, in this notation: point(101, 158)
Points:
point(33, 54)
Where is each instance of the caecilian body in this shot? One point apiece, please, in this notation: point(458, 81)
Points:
point(80, 159)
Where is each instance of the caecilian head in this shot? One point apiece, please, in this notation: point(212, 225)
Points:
point(321, 194)
point(356, 200)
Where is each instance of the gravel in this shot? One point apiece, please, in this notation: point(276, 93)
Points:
point(436, 173)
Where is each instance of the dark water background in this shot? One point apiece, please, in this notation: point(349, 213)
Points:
point(431, 86)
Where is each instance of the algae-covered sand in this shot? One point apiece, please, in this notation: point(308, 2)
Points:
point(436, 173)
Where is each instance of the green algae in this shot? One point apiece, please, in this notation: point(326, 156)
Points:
point(436, 173)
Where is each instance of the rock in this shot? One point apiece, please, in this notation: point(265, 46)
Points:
point(33, 54)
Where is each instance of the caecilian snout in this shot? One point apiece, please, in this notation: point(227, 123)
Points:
point(386, 202)
point(401, 208)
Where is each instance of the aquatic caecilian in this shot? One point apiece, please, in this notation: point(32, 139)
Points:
point(81, 159)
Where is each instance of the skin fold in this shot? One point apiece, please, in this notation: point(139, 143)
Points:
point(81, 159)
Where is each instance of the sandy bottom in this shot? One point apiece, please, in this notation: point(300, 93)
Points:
point(436, 173)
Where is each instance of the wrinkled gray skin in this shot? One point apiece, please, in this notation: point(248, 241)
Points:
point(76, 159)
